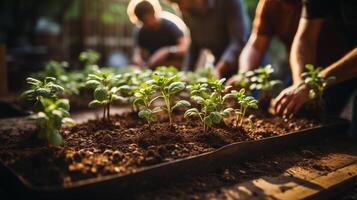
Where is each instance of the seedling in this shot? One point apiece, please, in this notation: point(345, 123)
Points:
point(168, 87)
point(244, 80)
point(209, 112)
point(144, 97)
point(244, 101)
point(261, 80)
point(49, 111)
point(105, 91)
point(315, 82)
point(212, 106)
point(89, 57)
point(218, 88)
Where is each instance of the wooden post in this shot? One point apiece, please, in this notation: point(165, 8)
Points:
point(3, 71)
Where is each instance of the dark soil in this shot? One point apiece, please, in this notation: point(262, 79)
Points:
point(223, 182)
point(124, 145)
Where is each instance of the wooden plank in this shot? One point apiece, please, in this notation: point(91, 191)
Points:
point(300, 182)
point(3, 71)
point(322, 183)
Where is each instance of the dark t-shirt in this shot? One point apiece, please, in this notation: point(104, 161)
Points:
point(343, 10)
point(152, 40)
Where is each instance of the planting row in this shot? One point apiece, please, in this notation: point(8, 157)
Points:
point(200, 93)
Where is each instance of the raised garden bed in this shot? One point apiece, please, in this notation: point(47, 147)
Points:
point(106, 158)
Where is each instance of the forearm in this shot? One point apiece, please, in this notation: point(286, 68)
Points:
point(253, 53)
point(237, 26)
point(138, 57)
point(344, 69)
point(302, 53)
point(181, 47)
point(191, 58)
point(303, 50)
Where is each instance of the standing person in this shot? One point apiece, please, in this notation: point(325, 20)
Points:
point(160, 37)
point(280, 19)
point(220, 26)
point(344, 69)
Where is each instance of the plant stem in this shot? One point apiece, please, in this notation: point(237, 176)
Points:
point(108, 111)
point(168, 107)
point(242, 117)
point(104, 112)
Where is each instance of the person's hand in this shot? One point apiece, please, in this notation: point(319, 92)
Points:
point(158, 57)
point(220, 69)
point(232, 82)
point(290, 100)
point(138, 61)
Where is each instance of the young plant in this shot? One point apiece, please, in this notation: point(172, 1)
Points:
point(316, 86)
point(217, 89)
point(244, 101)
point(49, 111)
point(261, 80)
point(209, 96)
point(89, 57)
point(315, 82)
point(209, 112)
point(144, 97)
point(105, 91)
point(243, 80)
point(168, 87)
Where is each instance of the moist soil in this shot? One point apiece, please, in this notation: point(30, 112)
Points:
point(124, 144)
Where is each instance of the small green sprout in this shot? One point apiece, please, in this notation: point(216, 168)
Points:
point(49, 111)
point(168, 87)
point(143, 100)
point(217, 89)
point(244, 80)
point(42, 89)
point(244, 101)
point(261, 80)
point(209, 113)
point(89, 57)
point(105, 91)
point(315, 82)
point(209, 96)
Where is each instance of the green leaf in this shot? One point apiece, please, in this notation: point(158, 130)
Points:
point(63, 103)
point(309, 67)
point(176, 87)
point(207, 120)
point(56, 88)
point(68, 121)
point(191, 112)
point(100, 94)
point(198, 99)
point(118, 98)
point(27, 94)
point(182, 103)
point(225, 113)
point(94, 77)
point(54, 138)
point(312, 94)
point(156, 110)
point(43, 92)
point(145, 113)
point(92, 84)
point(216, 117)
point(94, 104)
point(50, 79)
point(33, 81)
point(139, 102)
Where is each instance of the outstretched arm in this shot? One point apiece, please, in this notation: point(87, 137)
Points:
point(344, 69)
point(303, 49)
point(237, 23)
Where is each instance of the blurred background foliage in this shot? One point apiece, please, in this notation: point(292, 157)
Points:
point(36, 31)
